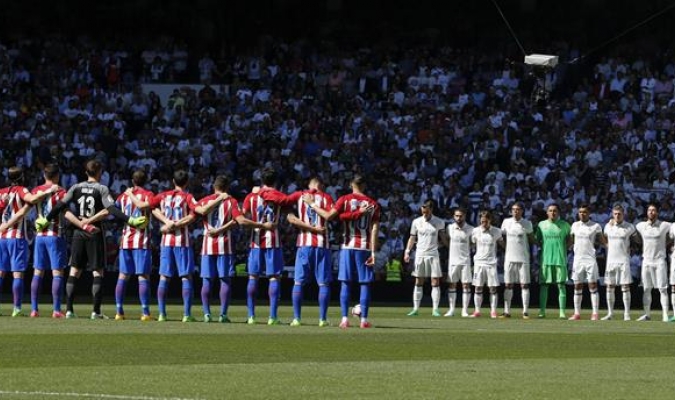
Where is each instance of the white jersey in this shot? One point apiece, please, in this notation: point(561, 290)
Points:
point(618, 242)
point(460, 244)
point(426, 232)
point(585, 234)
point(517, 242)
point(654, 237)
point(486, 245)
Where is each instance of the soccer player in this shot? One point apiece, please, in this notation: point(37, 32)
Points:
point(16, 201)
point(654, 234)
point(485, 238)
point(221, 215)
point(360, 216)
point(50, 246)
point(313, 249)
point(618, 233)
point(553, 235)
point(266, 254)
point(175, 210)
point(93, 203)
point(135, 257)
point(426, 231)
point(518, 232)
point(585, 234)
point(459, 262)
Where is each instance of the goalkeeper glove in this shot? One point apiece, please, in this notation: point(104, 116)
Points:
point(41, 224)
point(138, 222)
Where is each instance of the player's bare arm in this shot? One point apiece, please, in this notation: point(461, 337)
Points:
point(135, 200)
point(298, 223)
point(409, 247)
point(15, 218)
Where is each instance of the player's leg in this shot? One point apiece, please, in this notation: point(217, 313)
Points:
point(274, 265)
point(208, 275)
point(126, 265)
point(661, 277)
point(493, 285)
point(143, 264)
point(365, 275)
point(525, 279)
point(225, 268)
point(40, 263)
point(452, 290)
point(510, 270)
point(545, 279)
point(345, 275)
point(253, 266)
point(4, 261)
point(578, 276)
point(466, 278)
point(323, 276)
point(59, 262)
point(561, 279)
point(420, 275)
point(19, 261)
point(302, 262)
point(611, 280)
point(95, 250)
point(166, 262)
point(78, 261)
point(647, 276)
point(479, 278)
point(436, 274)
point(626, 280)
point(185, 265)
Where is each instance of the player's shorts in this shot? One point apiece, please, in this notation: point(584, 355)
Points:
point(87, 251)
point(272, 259)
point(654, 275)
point(178, 259)
point(553, 274)
point(457, 273)
point(516, 272)
point(13, 255)
point(135, 261)
point(618, 274)
point(485, 274)
point(49, 252)
point(585, 271)
point(672, 270)
point(427, 267)
point(317, 258)
point(217, 265)
point(352, 265)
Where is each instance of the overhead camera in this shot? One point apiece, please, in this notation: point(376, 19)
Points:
point(541, 64)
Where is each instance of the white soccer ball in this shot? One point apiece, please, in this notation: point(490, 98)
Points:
point(356, 311)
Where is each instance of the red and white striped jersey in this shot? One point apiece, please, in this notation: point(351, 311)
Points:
point(175, 205)
point(263, 211)
point(310, 217)
point(220, 215)
point(135, 238)
point(45, 205)
point(356, 232)
point(14, 199)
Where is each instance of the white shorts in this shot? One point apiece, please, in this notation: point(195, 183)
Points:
point(427, 267)
point(655, 275)
point(585, 272)
point(672, 271)
point(457, 273)
point(618, 274)
point(517, 272)
point(483, 274)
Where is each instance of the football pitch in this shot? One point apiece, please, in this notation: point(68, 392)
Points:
point(399, 358)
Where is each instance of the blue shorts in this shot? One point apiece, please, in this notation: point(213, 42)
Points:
point(13, 255)
point(220, 265)
point(272, 258)
point(316, 258)
point(179, 259)
point(49, 251)
point(353, 264)
point(135, 261)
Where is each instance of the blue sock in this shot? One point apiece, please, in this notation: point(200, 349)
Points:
point(161, 296)
point(120, 288)
point(274, 297)
point(35, 285)
point(17, 291)
point(57, 289)
point(297, 301)
point(344, 298)
point(251, 292)
point(144, 295)
point(225, 294)
point(365, 299)
point(187, 297)
point(206, 293)
point(324, 299)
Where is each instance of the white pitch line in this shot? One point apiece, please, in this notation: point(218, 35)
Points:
point(92, 395)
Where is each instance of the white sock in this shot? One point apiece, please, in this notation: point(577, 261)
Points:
point(452, 299)
point(494, 299)
point(466, 299)
point(610, 300)
point(595, 301)
point(672, 301)
point(418, 292)
point(526, 300)
point(626, 301)
point(508, 296)
point(664, 302)
point(647, 301)
point(578, 293)
point(435, 296)
point(478, 300)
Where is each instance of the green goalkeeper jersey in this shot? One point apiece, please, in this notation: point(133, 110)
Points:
point(553, 237)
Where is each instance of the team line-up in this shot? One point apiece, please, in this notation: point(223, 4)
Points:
point(472, 250)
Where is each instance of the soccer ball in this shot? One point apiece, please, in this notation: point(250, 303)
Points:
point(356, 311)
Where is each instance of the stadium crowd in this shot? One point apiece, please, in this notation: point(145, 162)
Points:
point(453, 125)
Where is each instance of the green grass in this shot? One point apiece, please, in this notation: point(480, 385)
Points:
point(401, 358)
